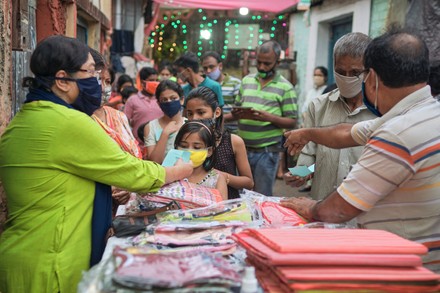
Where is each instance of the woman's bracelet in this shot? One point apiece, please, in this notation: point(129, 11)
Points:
point(227, 179)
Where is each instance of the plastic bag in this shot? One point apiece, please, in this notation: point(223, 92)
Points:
point(137, 270)
point(229, 210)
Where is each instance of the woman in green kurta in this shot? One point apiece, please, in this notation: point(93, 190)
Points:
point(50, 158)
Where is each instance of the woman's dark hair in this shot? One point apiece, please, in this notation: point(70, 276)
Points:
point(53, 54)
point(99, 59)
point(211, 100)
point(168, 85)
point(204, 129)
point(140, 131)
point(127, 92)
point(145, 72)
point(124, 78)
point(112, 75)
point(167, 65)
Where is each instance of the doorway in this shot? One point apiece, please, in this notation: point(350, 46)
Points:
point(337, 29)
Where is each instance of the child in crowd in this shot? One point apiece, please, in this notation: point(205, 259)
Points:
point(166, 71)
point(115, 100)
point(199, 139)
point(159, 134)
point(140, 133)
point(126, 93)
point(231, 156)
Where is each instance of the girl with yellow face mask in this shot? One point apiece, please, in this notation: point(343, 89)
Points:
point(198, 138)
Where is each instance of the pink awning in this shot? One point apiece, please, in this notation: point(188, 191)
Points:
point(274, 6)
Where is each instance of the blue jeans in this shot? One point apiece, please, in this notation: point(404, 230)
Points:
point(264, 166)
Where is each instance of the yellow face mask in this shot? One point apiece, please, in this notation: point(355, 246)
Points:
point(198, 156)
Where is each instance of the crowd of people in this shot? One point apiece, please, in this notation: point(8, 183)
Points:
point(77, 148)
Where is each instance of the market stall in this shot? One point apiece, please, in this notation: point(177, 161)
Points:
point(206, 246)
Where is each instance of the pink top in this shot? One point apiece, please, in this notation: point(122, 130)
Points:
point(141, 109)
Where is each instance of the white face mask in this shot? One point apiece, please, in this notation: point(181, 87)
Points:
point(349, 86)
point(106, 94)
point(318, 80)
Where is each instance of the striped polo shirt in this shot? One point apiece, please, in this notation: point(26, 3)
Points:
point(277, 97)
point(396, 181)
point(230, 89)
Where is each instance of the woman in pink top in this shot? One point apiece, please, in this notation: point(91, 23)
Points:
point(143, 107)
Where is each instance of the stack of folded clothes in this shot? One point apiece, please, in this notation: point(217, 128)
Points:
point(336, 260)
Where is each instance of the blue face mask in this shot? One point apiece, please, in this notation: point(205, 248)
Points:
point(373, 108)
point(89, 98)
point(215, 74)
point(170, 108)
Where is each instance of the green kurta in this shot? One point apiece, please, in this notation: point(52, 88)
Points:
point(50, 158)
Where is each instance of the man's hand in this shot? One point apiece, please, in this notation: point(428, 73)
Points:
point(295, 140)
point(261, 115)
point(239, 113)
point(295, 181)
point(301, 205)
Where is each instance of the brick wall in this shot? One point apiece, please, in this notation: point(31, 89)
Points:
point(5, 84)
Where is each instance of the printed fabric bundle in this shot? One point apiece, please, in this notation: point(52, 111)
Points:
point(195, 269)
point(187, 194)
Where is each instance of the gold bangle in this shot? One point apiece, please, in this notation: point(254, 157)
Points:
point(227, 179)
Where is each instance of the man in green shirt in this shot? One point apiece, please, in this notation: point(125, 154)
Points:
point(268, 107)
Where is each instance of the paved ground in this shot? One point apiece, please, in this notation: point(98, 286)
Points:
point(283, 190)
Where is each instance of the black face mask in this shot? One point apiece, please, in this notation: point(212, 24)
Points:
point(267, 74)
point(89, 98)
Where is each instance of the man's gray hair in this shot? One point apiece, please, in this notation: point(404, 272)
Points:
point(352, 45)
point(269, 46)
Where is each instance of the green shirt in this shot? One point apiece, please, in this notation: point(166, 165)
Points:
point(230, 89)
point(277, 97)
point(50, 158)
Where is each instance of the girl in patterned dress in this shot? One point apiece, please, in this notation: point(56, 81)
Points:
point(231, 157)
point(198, 138)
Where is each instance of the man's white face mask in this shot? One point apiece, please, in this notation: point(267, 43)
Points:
point(349, 86)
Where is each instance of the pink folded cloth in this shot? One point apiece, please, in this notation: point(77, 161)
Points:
point(257, 249)
point(336, 241)
point(376, 274)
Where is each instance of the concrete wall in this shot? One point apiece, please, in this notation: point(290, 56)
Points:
point(320, 19)
point(384, 13)
point(311, 35)
point(299, 30)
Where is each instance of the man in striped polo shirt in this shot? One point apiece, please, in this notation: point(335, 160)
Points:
point(213, 68)
point(268, 106)
point(395, 185)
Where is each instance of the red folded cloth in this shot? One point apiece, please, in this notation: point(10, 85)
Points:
point(275, 214)
point(336, 241)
